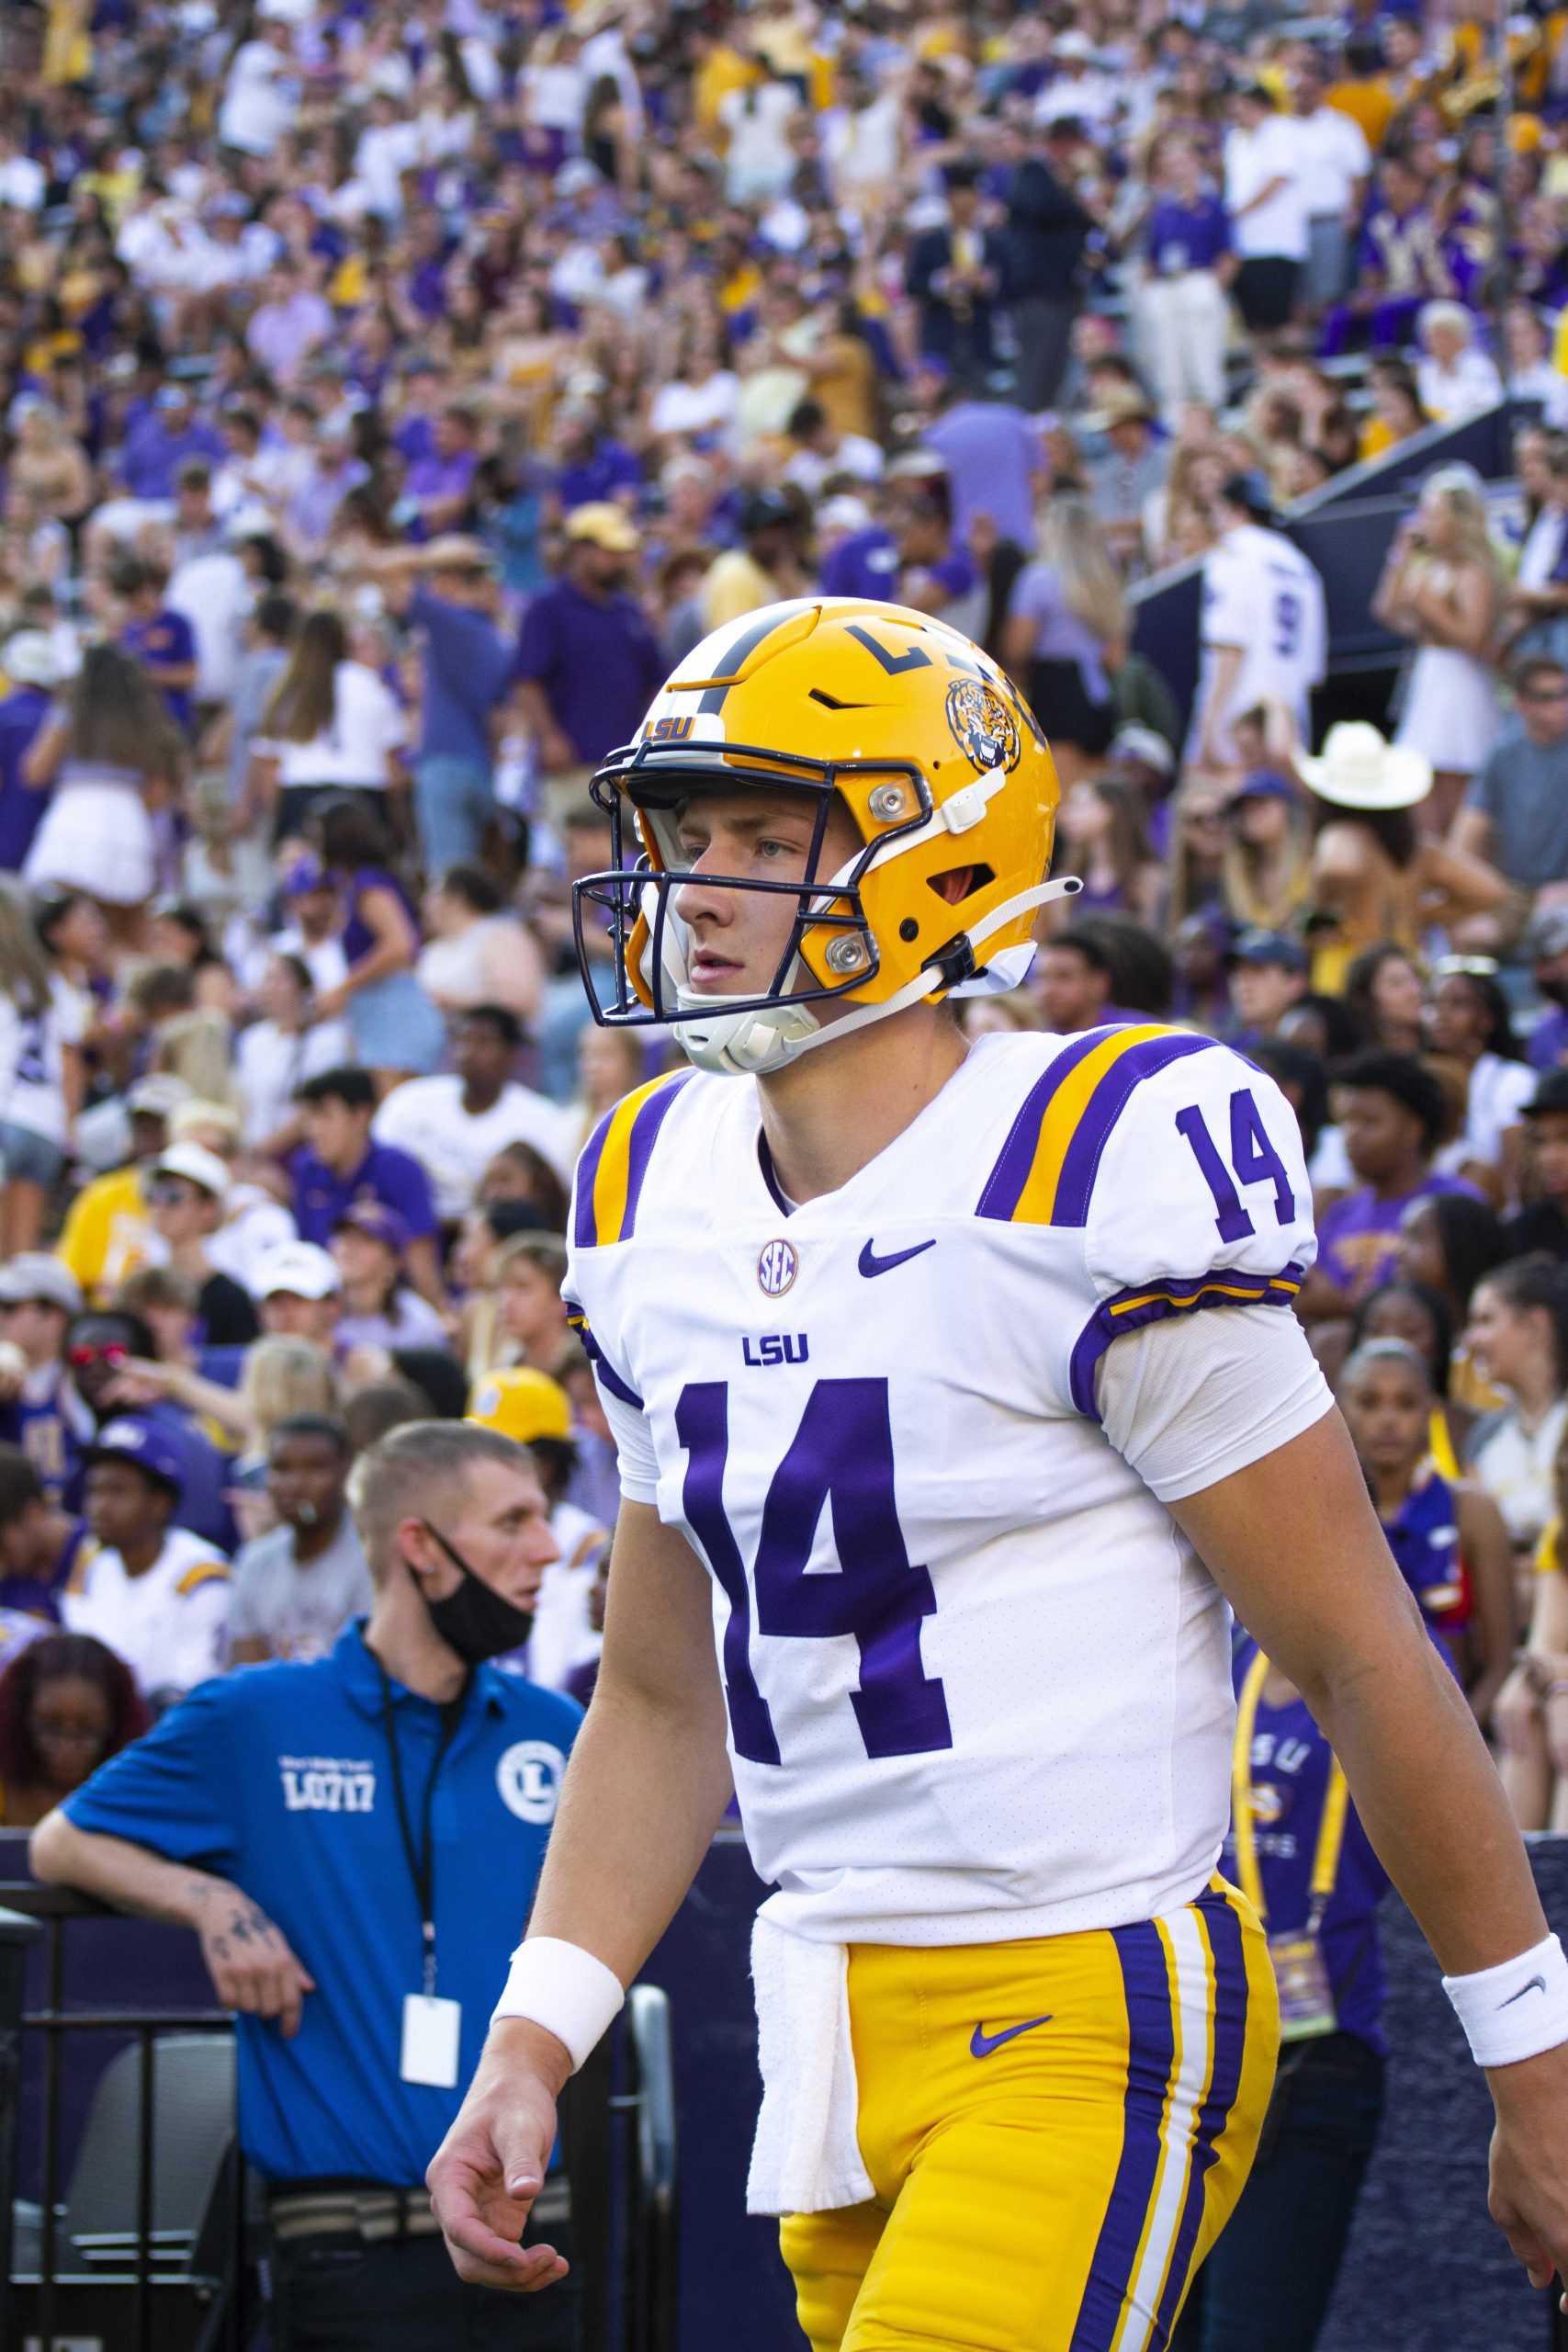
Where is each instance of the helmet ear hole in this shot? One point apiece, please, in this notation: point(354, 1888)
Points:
point(960, 882)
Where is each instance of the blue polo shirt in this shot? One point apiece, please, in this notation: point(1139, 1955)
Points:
point(277, 1778)
point(394, 1178)
point(467, 670)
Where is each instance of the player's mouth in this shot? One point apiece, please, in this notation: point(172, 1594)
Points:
point(710, 971)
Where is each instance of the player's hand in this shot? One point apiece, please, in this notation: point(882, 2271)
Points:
point(491, 2167)
point(1529, 2196)
point(250, 1962)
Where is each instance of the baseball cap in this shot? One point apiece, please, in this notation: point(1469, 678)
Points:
point(1548, 934)
point(1264, 783)
point(1270, 948)
point(159, 1094)
point(1144, 745)
point(306, 874)
point(521, 1405)
point(33, 1273)
point(376, 1221)
point(300, 1268)
point(131, 1439)
point(28, 659)
point(604, 525)
point(1551, 1094)
point(196, 1165)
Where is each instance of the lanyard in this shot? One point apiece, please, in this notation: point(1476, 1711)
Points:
point(1331, 1828)
point(421, 1861)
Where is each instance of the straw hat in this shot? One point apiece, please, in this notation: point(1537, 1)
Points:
point(1359, 769)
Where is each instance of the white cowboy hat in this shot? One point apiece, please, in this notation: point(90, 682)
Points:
point(1358, 769)
point(28, 659)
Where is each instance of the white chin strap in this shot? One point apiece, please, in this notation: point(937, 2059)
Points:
point(752, 1044)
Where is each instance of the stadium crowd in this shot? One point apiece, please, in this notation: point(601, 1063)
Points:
point(390, 397)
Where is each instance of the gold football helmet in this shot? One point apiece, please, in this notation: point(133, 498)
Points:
point(940, 765)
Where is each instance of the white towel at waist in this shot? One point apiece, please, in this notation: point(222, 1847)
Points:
point(805, 2157)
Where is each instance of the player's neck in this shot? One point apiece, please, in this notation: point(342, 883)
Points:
point(828, 1116)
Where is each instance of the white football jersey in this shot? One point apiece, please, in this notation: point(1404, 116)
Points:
point(1261, 593)
point(167, 1623)
point(978, 1686)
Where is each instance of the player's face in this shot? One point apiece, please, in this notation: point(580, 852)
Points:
point(1549, 1153)
point(305, 1478)
point(740, 937)
point(1386, 1409)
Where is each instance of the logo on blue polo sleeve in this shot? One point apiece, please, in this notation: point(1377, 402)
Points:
point(529, 1777)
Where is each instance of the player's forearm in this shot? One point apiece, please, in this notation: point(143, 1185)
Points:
point(130, 1877)
point(1432, 1805)
point(643, 1794)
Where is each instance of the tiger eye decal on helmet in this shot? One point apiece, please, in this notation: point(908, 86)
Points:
point(858, 707)
point(983, 726)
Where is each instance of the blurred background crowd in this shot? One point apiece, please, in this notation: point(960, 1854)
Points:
point(390, 397)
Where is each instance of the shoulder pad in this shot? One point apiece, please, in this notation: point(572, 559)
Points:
point(614, 1166)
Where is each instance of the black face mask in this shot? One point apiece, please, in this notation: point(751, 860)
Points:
point(475, 1620)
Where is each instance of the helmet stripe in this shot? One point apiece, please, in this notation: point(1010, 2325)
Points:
point(735, 661)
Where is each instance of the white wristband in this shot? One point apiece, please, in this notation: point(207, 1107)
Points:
point(1517, 2010)
point(563, 1988)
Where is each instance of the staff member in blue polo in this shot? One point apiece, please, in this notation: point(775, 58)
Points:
point(356, 1842)
point(1302, 1858)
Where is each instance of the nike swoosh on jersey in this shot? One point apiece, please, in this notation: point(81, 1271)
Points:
point(870, 1263)
point(1536, 1984)
point(981, 2043)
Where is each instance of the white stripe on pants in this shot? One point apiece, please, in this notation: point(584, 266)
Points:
point(1184, 323)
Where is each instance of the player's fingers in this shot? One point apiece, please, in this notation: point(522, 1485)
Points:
point(1524, 2243)
point(482, 2255)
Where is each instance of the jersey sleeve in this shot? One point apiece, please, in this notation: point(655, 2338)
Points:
point(607, 1203)
point(172, 1789)
point(1185, 1168)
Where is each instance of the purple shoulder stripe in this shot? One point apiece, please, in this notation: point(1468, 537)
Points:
point(1004, 1186)
point(1082, 1158)
point(640, 1149)
point(584, 1230)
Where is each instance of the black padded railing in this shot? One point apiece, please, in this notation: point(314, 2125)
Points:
point(193, 2287)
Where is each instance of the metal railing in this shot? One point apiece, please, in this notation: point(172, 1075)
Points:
point(196, 2287)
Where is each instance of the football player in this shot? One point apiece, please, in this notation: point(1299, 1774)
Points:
point(956, 1390)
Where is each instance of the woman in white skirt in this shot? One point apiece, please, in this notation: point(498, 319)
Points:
point(111, 756)
point(1443, 586)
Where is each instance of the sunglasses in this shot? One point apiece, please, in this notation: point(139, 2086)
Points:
point(168, 1192)
point(81, 1359)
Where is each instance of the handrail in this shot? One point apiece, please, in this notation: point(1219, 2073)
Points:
point(644, 2112)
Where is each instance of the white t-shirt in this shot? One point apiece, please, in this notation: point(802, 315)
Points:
point(1333, 155)
point(1498, 1092)
point(271, 1064)
point(32, 1062)
point(426, 1117)
point(1471, 384)
point(1253, 158)
point(260, 99)
point(563, 1636)
point(214, 594)
point(367, 726)
point(1515, 1468)
point(696, 407)
point(1261, 593)
point(167, 1623)
point(762, 161)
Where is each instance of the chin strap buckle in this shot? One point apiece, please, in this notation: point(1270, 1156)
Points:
point(955, 963)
